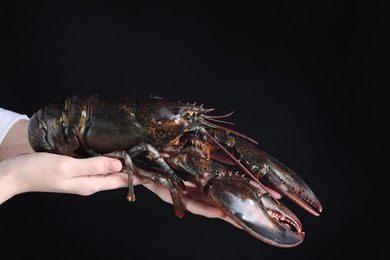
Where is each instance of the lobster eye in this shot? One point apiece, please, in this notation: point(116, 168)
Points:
point(187, 115)
point(190, 115)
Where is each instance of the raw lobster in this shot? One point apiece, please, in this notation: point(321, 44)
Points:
point(170, 143)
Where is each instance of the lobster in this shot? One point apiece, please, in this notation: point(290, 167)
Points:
point(171, 143)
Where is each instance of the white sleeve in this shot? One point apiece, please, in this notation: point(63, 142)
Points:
point(7, 120)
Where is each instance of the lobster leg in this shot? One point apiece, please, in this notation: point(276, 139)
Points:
point(128, 163)
point(259, 215)
point(154, 176)
point(153, 154)
point(166, 182)
point(157, 158)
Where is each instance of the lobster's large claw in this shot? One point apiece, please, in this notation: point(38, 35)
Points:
point(286, 182)
point(268, 170)
point(259, 215)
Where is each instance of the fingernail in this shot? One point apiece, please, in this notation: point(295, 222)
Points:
point(114, 166)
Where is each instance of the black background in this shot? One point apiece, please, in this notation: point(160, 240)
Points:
point(304, 79)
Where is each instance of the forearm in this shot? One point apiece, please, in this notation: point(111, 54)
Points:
point(8, 185)
point(16, 141)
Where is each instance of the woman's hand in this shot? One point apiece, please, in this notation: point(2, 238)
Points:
point(47, 172)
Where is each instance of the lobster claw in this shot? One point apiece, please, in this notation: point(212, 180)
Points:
point(259, 215)
point(286, 182)
point(267, 170)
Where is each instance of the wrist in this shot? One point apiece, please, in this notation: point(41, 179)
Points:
point(8, 185)
point(15, 141)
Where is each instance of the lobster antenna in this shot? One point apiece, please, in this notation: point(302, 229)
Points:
point(220, 116)
point(238, 163)
point(230, 131)
point(219, 121)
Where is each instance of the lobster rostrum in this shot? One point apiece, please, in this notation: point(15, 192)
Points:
point(170, 143)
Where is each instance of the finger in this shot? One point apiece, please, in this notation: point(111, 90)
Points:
point(160, 191)
point(198, 203)
point(94, 166)
point(194, 201)
point(231, 221)
point(87, 185)
point(198, 207)
point(193, 193)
